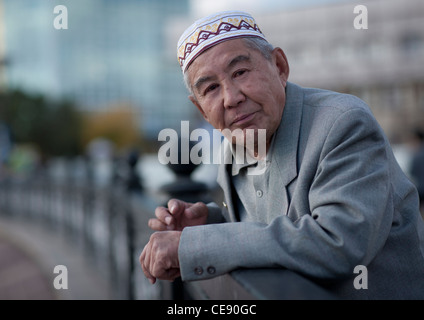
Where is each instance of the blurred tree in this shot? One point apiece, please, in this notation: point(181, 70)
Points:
point(116, 124)
point(53, 127)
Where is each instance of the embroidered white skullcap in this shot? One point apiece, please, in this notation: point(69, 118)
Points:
point(211, 30)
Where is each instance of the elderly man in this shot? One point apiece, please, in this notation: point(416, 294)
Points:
point(331, 197)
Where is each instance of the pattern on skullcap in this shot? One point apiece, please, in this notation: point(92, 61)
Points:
point(214, 29)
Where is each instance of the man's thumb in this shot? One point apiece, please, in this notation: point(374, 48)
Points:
point(196, 210)
point(175, 206)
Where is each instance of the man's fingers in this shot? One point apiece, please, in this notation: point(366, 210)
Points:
point(145, 262)
point(159, 259)
point(171, 274)
point(197, 210)
point(174, 273)
point(176, 207)
point(157, 225)
point(165, 217)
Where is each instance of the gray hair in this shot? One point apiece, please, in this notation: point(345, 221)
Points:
point(255, 43)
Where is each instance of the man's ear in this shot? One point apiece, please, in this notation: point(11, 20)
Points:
point(280, 61)
point(196, 103)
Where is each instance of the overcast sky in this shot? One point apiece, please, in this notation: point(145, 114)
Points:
point(205, 7)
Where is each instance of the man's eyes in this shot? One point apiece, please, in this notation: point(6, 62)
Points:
point(213, 86)
point(239, 73)
point(210, 88)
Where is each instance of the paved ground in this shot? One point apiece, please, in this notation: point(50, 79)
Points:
point(28, 255)
point(20, 276)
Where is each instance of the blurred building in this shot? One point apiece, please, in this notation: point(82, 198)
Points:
point(123, 52)
point(384, 64)
point(113, 52)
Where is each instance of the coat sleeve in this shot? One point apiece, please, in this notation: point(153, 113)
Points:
point(347, 222)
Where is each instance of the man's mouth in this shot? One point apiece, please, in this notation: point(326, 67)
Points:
point(243, 119)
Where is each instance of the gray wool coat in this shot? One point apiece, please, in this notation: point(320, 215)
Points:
point(338, 199)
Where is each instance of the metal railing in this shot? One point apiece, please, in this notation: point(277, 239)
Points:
point(109, 225)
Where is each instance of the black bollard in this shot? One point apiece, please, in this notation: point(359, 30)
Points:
point(184, 187)
point(134, 179)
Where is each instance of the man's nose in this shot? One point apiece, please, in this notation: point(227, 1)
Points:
point(232, 95)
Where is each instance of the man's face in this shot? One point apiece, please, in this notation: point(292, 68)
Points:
point(236, 87)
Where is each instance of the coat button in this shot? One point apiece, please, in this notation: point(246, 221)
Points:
point(211, 270)
point(224, 204)
point(198, 271)
point(259, 193)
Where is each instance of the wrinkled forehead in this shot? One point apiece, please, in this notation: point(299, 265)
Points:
point(212, 30)
point(220, 58)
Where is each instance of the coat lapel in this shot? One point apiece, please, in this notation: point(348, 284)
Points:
point(284, 157)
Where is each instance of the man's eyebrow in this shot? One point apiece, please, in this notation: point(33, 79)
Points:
point(238, 59)
point(201, 81)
